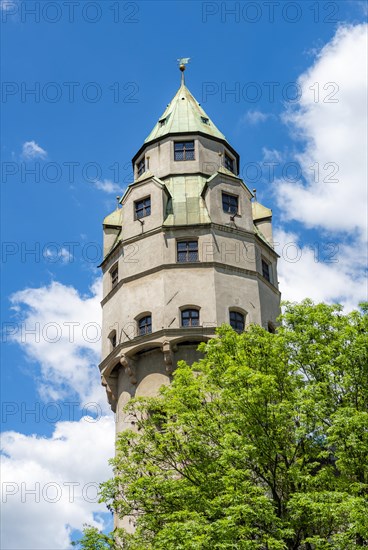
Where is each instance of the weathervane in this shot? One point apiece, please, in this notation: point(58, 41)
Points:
point(183, 61)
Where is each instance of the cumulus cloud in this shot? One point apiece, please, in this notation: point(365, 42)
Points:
point(331, 118)
point(65, 341)
point(61, 255)
point(326, 270)
point(49, 485)
point(255, 117)
point(31, 150)
point(330, 123)
point(107, 186)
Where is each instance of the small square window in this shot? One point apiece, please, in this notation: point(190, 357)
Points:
point(190, 318)
point(142, 208)
point(205, 120)
point(145, 325)
point(114, 273)
point(141, 167)
point(229, 163)
point(266, 270)
point(187, 251)
point(229, 203)
point(184, 150)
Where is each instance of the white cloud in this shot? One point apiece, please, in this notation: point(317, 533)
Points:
point(31, 150)
point(107, 186)
point(325, 270)
point(63, 255)
point(254, 117)
point(67, 339)
point(272, 155)
point(334, 138)
point(331, 118)
point(77, 452)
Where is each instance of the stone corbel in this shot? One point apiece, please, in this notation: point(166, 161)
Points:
point(129, 367)
point(168, 356)
point(111, 385)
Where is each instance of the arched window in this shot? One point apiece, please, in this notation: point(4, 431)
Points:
point(145, 325)
point(237, 321)
point(190, 318)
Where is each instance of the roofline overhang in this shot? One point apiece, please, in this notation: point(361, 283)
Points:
point(196, 133)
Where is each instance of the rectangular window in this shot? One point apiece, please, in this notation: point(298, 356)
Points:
point(113, 340)
point(229, 163)
point(142, 208)
point(266, 270)
point(114, 273)
point(184, 150)
point(187, 251)
point(145, 325)
point(237, 321)
point(229, 203)
point(141, 167)
point(190, 318)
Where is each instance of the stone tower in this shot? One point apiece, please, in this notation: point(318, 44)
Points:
point(188, 250)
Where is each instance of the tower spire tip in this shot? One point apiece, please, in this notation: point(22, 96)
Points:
point(183, 61)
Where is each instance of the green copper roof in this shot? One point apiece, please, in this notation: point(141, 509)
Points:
point(184, 114)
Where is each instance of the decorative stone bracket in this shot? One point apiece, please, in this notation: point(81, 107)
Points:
point(168, 356)
point(111, 385)
point(129, 366)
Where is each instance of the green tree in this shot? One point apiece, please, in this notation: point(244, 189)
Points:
point(263, 444)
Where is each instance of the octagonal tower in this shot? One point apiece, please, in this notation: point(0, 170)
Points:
point(187, 249)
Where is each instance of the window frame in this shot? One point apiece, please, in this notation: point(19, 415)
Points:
point(265, 263)
point(190, 310)
point(144, 208)
point(229, 161)
point(235, 312)
point(184, 151)
point(114, 278)
point(187, 251)
point(231, 196)
point(142, 327)
point(141, 167)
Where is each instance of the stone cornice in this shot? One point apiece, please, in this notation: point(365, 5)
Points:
point(201, 265)
point(168, 228)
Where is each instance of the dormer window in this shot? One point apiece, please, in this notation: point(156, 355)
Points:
point(229, 163)
point(205, 120)
point(162, 122)
point(114, 274)
point(266, 271)
point(141, 167)
point(230, 203)
point(184, 150)
point(142, 208)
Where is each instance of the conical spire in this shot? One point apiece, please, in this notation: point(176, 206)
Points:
point(184, 115)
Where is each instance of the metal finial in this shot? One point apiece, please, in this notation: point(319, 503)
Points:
point(183, 61)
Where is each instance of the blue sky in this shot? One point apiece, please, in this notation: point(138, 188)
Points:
point(284, 81)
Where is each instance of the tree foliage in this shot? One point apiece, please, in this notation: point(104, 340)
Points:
point(263, 444)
